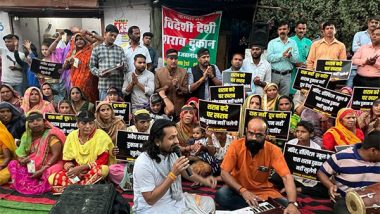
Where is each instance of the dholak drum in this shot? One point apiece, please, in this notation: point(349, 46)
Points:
point(365, 200)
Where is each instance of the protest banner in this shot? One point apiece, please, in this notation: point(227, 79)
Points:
point(122, 26)
point(227, 94)
point(363, 97)
point(121, 109)
point(339, 69)
point(326, 101)
point(305, 78)
point(219, 116)
point(278, 121)
point(304, 162)
point(49, 69)
point(237, 78)
point(66, 122)
point(187, 34)
point(129, 144)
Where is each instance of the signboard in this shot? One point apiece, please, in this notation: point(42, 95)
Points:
point(187, 34)
point(278, 121)
point(121, 109)
point(227, 94)
point(66, 122)
point(219, 116)
point(363, 97)
point(237, 78)
point(339, 69)
point(305, 78)
point(303, 161)
point(130, 144)
point(49, 69)
point(122, 26)
point(326, 101)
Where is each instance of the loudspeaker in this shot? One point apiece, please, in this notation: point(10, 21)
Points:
point(259, 34)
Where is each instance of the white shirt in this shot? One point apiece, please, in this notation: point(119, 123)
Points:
point(138, 97)
point(262, 70)
point(145, 179)
point(130, 55)
point(313, 145)
point(7, 75)
point(221, 151)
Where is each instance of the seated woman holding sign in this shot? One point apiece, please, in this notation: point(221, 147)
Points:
point(107, 121)
point(87, 154)
point(33, 100)
point(345, 132)
point(252, 102)
point(270, 97)
point(368, 119)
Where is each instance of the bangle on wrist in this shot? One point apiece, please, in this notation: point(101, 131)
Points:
point(172, 176)
point(242, 190)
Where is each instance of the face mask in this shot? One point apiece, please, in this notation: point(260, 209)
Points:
point(254, 146)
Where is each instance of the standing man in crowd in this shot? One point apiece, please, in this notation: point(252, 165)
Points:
point(246, 168)
point(173, 81)
point(236, 62)
point(105, 56)
point(147, 39)
point(203, 75)
point(11, 71)
point(326, 48)
point(357, 166)
point(362, 38)
point(135, 48)
point(260, 68)
point(139, 83)
point(303, 45)
point(282, 53)
point(157, 176)
point(368, 62)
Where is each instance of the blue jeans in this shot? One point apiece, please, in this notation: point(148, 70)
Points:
point(231, 200)
point(350, 81)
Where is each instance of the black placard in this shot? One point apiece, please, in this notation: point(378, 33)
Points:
point(278, 121)
point(219, 116)
point(237, 78)
point(49, 69)
point(325, 100)
point(122, 109)
point(339, 69)
point(227, 94)
point(130, 144)
point(305, 78)
point(303, 161)
point(363, 97)
point(66, 122)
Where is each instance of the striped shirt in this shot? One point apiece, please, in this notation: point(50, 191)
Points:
point(105, 57)
point(350, 170)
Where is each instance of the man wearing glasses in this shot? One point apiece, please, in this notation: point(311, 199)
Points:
point(246, 168)
point(173, 81)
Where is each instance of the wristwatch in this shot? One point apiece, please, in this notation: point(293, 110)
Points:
point(293, 202)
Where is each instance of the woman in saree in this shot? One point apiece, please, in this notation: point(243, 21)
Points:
point(79, 100)
point(65, 107)
point(270, 97)
point(185, 126)
point(368, 119)
point(8, 94)
point(78, 60)
point(107, 121)
point(345, 132)
point(41, 147)
point(13, 119)
point(33, 100)
point(7, 153)
point(252, 102)
point(87, 154)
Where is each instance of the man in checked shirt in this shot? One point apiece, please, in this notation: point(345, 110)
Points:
point(106, 56)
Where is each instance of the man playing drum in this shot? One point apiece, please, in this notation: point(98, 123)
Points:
point(355, 167)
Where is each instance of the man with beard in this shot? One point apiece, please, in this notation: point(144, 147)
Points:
point(246, 168)
point(282, 53)
point(260, 68)
point(303, 45)
point(157, 176)
point(236, 62)
point(135, 48)
point(172, 82)
point(326, 48)
point(203, 75)
point(140, 83)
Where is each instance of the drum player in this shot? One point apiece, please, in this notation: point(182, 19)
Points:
point(355, 167)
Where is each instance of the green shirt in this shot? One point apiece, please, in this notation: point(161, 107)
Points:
point(303, 45)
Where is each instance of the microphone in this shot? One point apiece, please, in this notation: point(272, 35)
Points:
point(177, 150)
